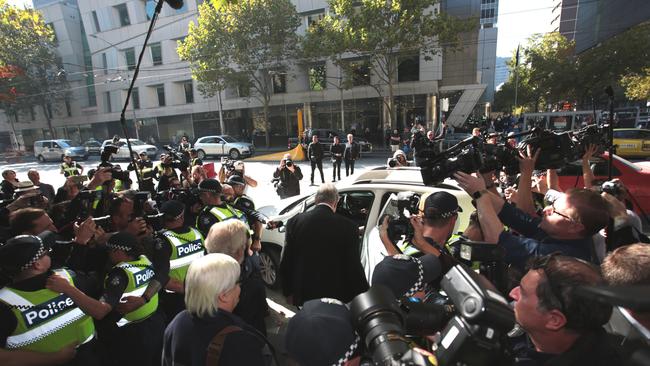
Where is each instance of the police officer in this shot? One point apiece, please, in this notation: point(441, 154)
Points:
point(315, 154)
point(183, 244)
point(214, 210)
point(194, 158)
point(145, 170)
point(164, 171)
point(245, 204)
point(69, 167)
point(34, 320)
point(134, 338)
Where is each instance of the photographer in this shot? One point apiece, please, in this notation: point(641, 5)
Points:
point(398, 160)
point(562, 328)
point(146, 172)
point(336, 151)
point(164, 171)
point(214, 209)
point(289, 176)
point(230, 168)
point(315, 154)
point(567, 226)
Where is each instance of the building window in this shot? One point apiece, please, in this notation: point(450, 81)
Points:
point(92, 97)
point(104, 63)
point(488, 1)
point(96, 21)
point(360, 73)
point(49, 110)
point(156, 53)
point(68, 108)
point(160, 91)
point(243, 90)
point(279, 83)
point(189, 92)
point(318, 77)
point(123, 14)
point(135, 98)
point(408, 68)
point(129, 55)
point(107, 102)
point(487, 13)
point(313, 19)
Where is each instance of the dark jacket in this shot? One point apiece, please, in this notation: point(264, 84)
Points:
point(187, 338)
point(315, 151)
point(337, 151)
point(352, 151)
point(289, 182)
point(321, 257)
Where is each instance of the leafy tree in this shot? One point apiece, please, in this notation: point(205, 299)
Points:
point(637, 86)
point(242, 44)
point(27, 48)
point(381, 31)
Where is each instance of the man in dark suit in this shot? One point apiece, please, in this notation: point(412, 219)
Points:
point(351, 154)
point(321, 254)
point(315, 154)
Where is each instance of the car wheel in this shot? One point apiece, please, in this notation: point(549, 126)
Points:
point(234, 154)
point(41, 158)
point(269, 266)
point(201, 154)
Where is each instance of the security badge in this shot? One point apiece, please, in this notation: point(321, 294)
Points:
point(205, 220)
point(115, 281)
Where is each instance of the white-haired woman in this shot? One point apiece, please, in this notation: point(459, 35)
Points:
point(211, 293)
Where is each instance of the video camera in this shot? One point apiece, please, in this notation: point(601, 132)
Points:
point(399, 225)
point(179, 160)
point(153, 218)
point(116, 170)
point(473, 154)
point(472, 331)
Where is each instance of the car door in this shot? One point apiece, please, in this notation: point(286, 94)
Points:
point(56, 151)
point(123, 151)
point(627, 143)
point(45, 149)
point(645, 142)
point(220, 145)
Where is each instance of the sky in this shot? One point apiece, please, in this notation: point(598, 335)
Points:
point(518, 20)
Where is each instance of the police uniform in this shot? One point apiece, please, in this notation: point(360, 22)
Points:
point(212, 214)
point(72, 169)
point(33, 318)
point(183, 246)
point(134, 338)
point(146, 173)
point(194, 161)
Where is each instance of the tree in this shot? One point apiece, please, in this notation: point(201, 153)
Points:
point(27, 47)
point(244, 45)
point(380, 32)
point(637, 86)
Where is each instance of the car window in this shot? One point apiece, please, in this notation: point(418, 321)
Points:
point(65, 143)
point(206, 140)
point(627, 134)
point(644, 134)
point(600, 169)
point(356, 206)
point(228, 138)
point(293, 205)
point(135, 142)
point(55, 145)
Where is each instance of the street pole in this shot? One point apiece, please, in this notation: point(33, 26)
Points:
point(221, 123)
point(342, 103)
point(516, 86)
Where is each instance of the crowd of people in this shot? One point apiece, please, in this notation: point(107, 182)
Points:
point(97, 273)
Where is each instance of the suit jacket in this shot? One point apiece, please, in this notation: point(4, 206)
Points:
point(321, 257)
point(352, 151)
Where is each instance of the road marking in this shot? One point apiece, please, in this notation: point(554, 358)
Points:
point(280, 309)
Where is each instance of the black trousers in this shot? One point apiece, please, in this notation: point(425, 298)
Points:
point(336, 169)
point(317, 164)
point(349, 167)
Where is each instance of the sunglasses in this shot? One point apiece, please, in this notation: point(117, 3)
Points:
point(554, 211)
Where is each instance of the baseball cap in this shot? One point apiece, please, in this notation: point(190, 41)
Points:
point(122, 241)
point(210, 185)
point(440, 205)
point(405, 275)
point(321, 334)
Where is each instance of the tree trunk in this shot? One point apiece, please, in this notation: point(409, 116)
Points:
point(267, 125)
point(49, 121)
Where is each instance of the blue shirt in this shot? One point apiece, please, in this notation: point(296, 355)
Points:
point(535, 241)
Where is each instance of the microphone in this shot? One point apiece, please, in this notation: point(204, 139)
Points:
point(176, 4)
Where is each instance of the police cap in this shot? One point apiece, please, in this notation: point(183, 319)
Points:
point(172, 209)
point(210, 185)
point(441, 205)
point(405, 275)
point(236, 180)
point(20, 252)
point(123, 241)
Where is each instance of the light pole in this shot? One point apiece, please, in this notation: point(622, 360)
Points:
point(135, 123)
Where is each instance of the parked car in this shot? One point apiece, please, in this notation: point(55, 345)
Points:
point(137, 145)
point(56, 149)
point(93, 147)
point(635, 176)
point(223, 145)
point(326, 137)
point(363, 201)
point(632, 142)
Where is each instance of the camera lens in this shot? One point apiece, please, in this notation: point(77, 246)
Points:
point(289, 163)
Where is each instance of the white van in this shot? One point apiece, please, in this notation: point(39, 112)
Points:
point(56, 149)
